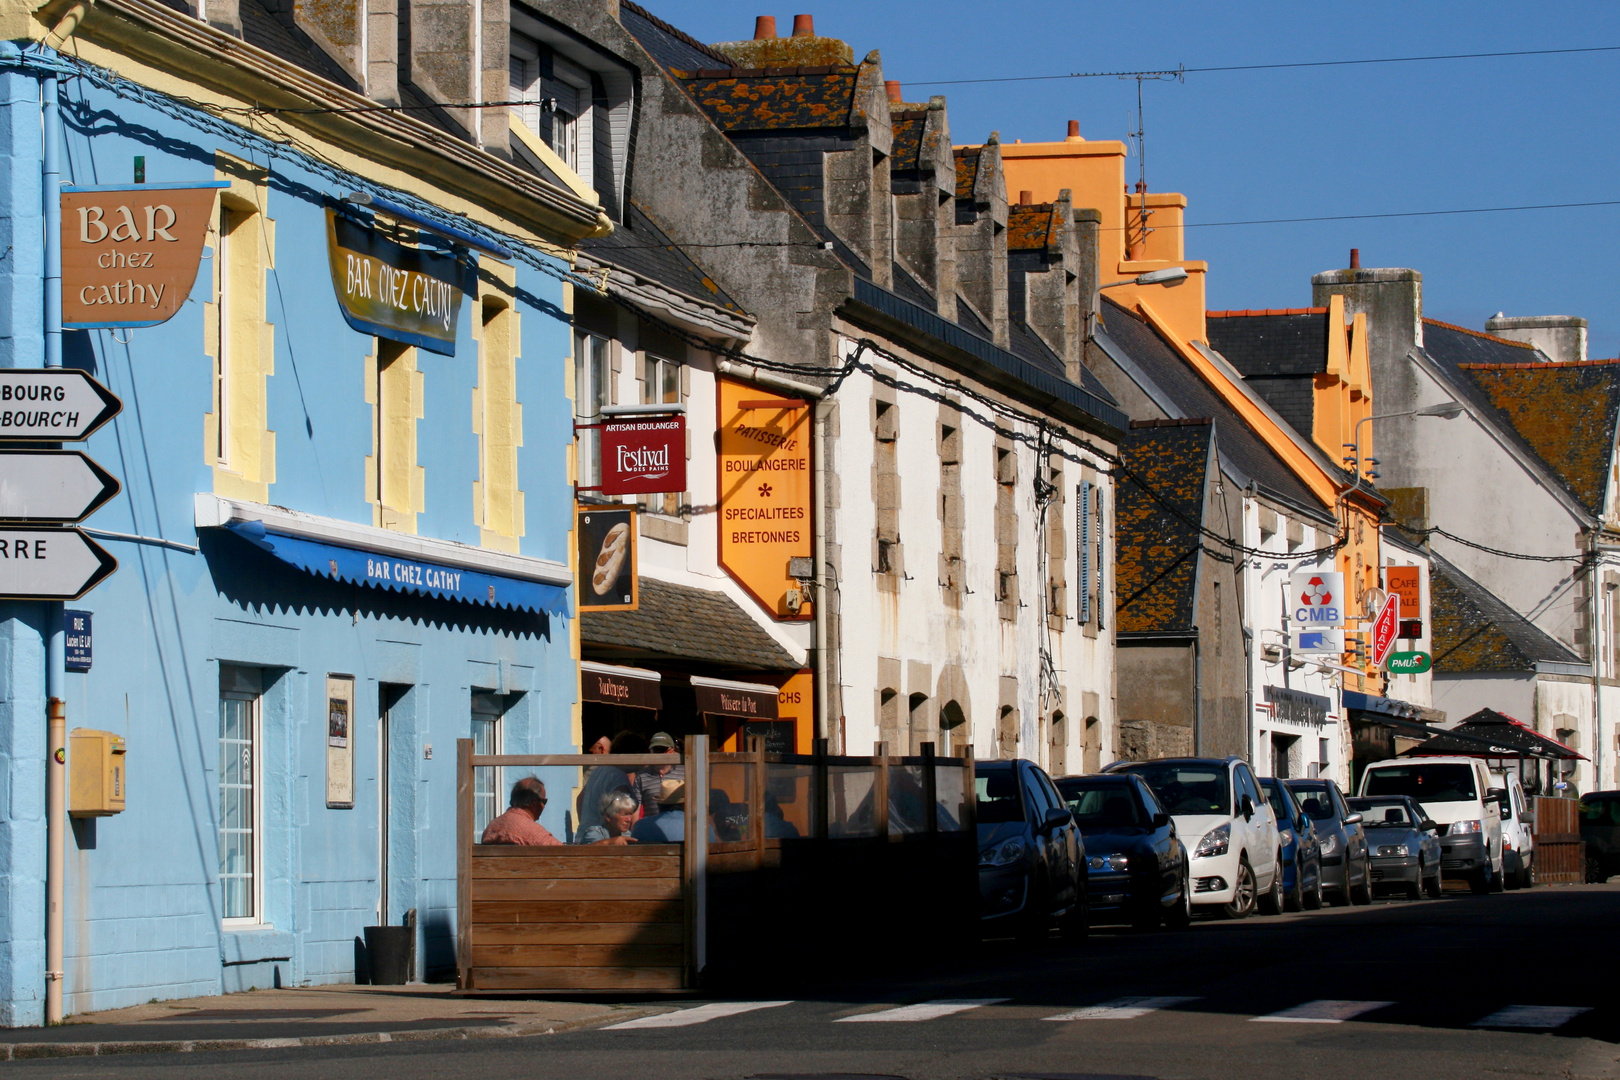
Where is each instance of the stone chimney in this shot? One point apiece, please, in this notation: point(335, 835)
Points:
point(981, 234)
point(1560, 337)
point(803, 49)
point(923, 188)
point(855, 182)
point(1392, 300)
point(438, 56)
point(1043, 280)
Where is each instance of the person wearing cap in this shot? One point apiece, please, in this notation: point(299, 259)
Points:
point(649, 778)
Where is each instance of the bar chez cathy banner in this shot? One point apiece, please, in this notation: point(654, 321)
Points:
point(130, 252)
point(406, 294)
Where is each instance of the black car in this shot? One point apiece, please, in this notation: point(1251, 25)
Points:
point(1136, 865)
point(1600, 830)
point(1346, 863)
point(1031, 856)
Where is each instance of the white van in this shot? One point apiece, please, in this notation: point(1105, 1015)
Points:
point(1518, 832)
point(1459, 795)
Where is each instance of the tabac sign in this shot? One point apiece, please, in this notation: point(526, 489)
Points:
point(406, 294)
point(765, 492)
point(130, 253)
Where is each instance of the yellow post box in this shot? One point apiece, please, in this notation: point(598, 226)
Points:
point(96, 773)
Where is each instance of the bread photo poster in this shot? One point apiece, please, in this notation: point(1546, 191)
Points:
point(607, 558)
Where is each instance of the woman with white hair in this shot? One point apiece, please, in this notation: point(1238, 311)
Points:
point(618, 810)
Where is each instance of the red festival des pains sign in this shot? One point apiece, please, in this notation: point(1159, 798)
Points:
point(644, 455)
point(130, 253)
point(765, 491)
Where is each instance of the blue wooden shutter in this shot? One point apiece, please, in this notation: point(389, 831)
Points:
point(1085, 551)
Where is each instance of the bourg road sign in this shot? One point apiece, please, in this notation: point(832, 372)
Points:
point(50, 564)
point(52, 404)
point(60, 486)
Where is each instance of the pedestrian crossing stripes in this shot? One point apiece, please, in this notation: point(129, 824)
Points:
point(702, 1014)
point(1126, 1008)
point(928, 1010)
point(1321, 1012)
point(1533, 1017)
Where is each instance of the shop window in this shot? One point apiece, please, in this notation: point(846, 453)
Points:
point(593, 379)
point(661, 381)
point(241, 823)
point(487, 711)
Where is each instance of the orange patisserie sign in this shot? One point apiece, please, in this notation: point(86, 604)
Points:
point(765, 492)
point(130, 253)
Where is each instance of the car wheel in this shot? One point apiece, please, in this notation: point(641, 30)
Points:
point(1527, 877)
point(1241, 906)
point(1436, 886)
point(1498, 881)
point(1360, 894)
point(1479, 882)
point(1180, 916)
point(1313, 899)
point(1594, 871)
point(1414, 891)
point(1272, 902)
point(1076, 925)
point(1294, 899)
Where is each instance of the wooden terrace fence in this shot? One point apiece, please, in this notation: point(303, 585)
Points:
point(809, 860)
point(1560, 857)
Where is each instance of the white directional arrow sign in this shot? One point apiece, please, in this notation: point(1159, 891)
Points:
point(52, 404)
point(60, 486)
point(50, 564)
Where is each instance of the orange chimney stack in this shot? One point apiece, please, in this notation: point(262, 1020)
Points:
point(804, 26)
point(764, 27)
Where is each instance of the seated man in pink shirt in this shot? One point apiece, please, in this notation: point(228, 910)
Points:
point(520, 823)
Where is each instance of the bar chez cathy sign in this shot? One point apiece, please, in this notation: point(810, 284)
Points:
point(406, 294)
point(130, 253)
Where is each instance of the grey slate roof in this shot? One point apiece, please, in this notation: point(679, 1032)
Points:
point(1473, 629)
point(669, 46)
point(638, 245)
point(683, 623)
point(1238, 442)
point(1279, 353)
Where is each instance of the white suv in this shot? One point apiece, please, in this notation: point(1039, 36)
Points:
point(1456, 792)
point(1228, 828)
point(1518, 832)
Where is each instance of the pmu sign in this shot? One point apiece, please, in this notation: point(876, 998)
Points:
point(1316, 598)
point(52, 404)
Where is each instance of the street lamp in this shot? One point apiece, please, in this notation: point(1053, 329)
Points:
point(1446, 410)
point(1169, 277)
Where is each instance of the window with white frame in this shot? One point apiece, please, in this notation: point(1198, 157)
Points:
point(555, 97)
point(486, 739)
point(661, 385)
point(593, 375)
point(240, 797)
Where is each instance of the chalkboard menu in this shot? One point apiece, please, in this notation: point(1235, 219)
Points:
point(778, 734)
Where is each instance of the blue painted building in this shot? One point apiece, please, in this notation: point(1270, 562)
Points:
point(380, 527)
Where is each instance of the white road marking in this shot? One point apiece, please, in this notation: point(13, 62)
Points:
point(928, 1010)
point(1126, 1008)
point(1321, 1012)
point(701, 1014)
point(1539, 1017)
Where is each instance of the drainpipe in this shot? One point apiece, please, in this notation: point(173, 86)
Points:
point(1597, 669)
point(1198, 699)
point(55, 630)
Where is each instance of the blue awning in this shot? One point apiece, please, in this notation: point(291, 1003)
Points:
point(403, 574)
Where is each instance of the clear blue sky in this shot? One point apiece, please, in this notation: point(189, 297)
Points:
point(1276, 144)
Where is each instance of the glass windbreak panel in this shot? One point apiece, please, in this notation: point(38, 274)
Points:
point(1102, 805)
point(1188, 789)
point(486, 794)
point(790, 795)
point(951, 795)
point(730, 795)
point(1425, 783)
point(236, 809)
point(850, 789)
point(996, 792)
point(908, 800)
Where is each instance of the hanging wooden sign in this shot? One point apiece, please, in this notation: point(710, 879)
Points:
point(407, 294)
point(130, 252)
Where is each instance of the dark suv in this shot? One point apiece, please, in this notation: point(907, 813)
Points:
point(1600, 829)
point(1031, 856)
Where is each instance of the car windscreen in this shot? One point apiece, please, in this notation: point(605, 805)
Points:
point(1425, 783)
point(1377, 815)
point(996, 792)
point(1314, 800)
point(1278, 801)
point(1102, 804)
point(1188, 789)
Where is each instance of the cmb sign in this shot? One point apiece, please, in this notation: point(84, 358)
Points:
point(130, 253)
point(1316, 598)
point(643, 456)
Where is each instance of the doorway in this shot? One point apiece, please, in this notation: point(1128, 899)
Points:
point(389, 696)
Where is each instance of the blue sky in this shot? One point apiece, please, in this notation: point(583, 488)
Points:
point(1300, 143)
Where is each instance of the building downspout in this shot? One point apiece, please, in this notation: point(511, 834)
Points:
point(1198, 698)
point(1597, 669)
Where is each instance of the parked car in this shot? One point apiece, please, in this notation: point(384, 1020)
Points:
point(1456, 792)
point(1302, 854)
point(1600, 830)
point(1237, 857)
point(1136, 865)
point(1031, 855)
point(1346, 866)
point(1405, 845)
point(1518, 833)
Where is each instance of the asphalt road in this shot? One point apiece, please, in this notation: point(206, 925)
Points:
point(1516, 984)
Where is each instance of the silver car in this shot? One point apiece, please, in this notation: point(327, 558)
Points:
point(1346, 866)
point(1405, 845)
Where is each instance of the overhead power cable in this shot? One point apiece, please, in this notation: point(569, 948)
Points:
point(1184, 71)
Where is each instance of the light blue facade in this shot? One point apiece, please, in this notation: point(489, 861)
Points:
point(143, 910)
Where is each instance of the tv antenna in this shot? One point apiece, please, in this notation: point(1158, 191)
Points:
point(1134, 243)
